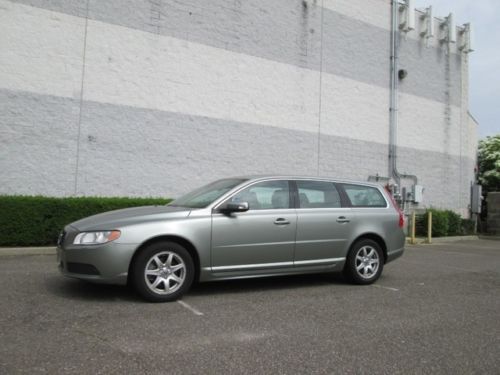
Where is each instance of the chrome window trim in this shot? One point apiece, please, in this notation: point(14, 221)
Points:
point(251, 181)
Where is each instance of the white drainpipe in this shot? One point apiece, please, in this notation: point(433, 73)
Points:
point(393, 114)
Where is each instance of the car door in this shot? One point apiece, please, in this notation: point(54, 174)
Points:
point(261, 238)
point(323, 225)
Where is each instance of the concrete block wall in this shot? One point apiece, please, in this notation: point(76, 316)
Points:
point(157, 97)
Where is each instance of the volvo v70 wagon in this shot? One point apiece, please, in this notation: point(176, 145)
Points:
point(238, 228)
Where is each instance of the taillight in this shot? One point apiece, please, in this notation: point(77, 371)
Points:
point(401, 223)
point(401, 219)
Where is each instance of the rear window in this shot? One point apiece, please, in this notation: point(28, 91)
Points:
point(364, 196)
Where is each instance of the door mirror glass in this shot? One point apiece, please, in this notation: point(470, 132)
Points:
point(235, 207)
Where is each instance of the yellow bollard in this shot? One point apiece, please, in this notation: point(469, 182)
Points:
point(412, 233)
point(429, 227)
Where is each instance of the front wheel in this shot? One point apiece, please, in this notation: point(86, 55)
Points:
point(365, 262)
point(163, 272)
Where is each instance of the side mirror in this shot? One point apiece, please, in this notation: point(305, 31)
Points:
point(235, 207)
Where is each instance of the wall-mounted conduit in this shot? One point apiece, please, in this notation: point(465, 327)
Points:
point(393, 110)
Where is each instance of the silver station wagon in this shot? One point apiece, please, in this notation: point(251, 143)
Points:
point(237, 228)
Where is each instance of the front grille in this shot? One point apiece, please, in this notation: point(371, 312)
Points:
point(82, 268)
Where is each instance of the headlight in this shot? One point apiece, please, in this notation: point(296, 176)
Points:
point(95, 238)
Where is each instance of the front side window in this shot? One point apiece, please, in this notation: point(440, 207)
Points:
point(318, 194)
point(265, 195)
point(364, 196)
point(202, 197)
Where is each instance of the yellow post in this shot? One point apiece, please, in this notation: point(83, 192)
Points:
point(429, 227)
point(412, 233)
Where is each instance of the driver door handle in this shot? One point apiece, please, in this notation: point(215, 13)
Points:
point(342, 219)
point(281, 221)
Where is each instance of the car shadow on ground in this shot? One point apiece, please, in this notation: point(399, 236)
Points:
point(263, 284)
point(85, 291)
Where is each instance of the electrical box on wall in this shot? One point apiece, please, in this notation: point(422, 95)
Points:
point(476, 198)
point(448, 32)
point(466, 39)
point(427, 28)
point(407, 14)
point(418, 193)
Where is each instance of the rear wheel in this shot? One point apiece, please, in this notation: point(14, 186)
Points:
point(365, 262)
point(163, 271)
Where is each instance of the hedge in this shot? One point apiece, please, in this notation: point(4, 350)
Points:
point(444, 223)
point(454, 223)
point(37, 220)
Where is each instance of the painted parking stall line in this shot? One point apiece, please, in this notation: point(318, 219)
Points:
point(386, 287)
point(190, 308)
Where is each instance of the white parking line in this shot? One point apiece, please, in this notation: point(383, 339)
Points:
point(386, 287)
point(190, 308)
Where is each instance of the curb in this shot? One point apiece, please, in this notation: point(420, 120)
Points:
point(10, 251)
point(489, 237)
point(438, 240)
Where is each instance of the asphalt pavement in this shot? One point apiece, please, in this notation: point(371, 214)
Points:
point(435, 310)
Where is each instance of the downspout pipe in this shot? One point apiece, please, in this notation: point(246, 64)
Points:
point(393, 110)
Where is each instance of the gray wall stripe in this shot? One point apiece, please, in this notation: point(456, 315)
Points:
point(134, 151)
point(283, 31)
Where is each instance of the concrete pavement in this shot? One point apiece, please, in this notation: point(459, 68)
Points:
point(435, 310)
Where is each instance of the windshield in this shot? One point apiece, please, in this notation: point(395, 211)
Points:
point(202, 197)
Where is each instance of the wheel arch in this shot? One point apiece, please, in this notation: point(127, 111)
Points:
point(191, 249)
point(374, 237)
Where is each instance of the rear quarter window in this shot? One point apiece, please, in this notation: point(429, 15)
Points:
point(364, 196)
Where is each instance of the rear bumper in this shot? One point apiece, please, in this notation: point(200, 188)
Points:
point(106, 263)
point(394, 254)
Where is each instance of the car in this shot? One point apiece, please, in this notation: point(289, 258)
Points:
point(238, 227)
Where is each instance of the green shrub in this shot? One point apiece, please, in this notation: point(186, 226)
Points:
point(37, 220)
point(468, 227)
point(444, 223)
point(421, 225)
point(454, 223)
point(439, 223)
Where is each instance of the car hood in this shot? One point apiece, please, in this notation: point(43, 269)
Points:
point(129, 216)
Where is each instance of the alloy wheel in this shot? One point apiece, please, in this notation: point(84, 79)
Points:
point(165, 272)
point(367, 262)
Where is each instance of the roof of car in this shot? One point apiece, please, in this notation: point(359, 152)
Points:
point(299, 177)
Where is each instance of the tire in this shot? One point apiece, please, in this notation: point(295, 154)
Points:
point(163, 272)
point(365, 262)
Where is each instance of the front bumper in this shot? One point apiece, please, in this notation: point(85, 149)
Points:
point(107, 263)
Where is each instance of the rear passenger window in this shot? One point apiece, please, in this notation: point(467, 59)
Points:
point(318, 194)
point(364, 196)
